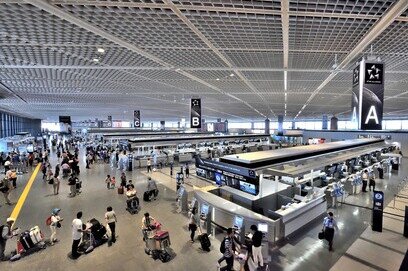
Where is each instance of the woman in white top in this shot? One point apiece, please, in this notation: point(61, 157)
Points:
point(192, 223)
point(111, 220)
point(56, 184)
point(55, 223)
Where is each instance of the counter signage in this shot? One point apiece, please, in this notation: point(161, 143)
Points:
point(228, 169)
point(195, 113)
point(109, 123)
point(355, 97)
point(136, 118)
point(372, 97)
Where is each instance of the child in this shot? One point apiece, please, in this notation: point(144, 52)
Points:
point(108, 181)
point(113, 182)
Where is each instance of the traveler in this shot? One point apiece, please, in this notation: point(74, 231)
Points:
point(149, 165)
point(7, 165)
point(56, 184)
point(257, 246)
point(148, 222)
point(13, 177)
point(123, 179)
point(365, 180)
point(113, 182)
point(55, 223)
point(152, 188)
point(57, 170)
point(131, 195)
point(5, 188)
point(108, 181)
point(6, 233)
point(77, 232)
point(227, 249)
point(328, 228)
point(88, 160)
point(72, 185)
point(192, 223)
point(187, 170)
point(371, 182)
point(111, 220)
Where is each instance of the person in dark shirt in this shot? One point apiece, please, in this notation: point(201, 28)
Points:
point(257, 245)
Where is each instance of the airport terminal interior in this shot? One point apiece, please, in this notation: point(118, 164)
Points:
point(195, 135)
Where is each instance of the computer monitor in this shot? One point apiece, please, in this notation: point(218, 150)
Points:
point(263, 227)
point(238, 222)
point(204, 209)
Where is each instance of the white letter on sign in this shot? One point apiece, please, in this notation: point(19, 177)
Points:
point(196, 121)
point(372, 115)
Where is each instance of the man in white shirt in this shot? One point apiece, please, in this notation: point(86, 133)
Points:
point(77, 233)
point(111, 220)
point(364, 176)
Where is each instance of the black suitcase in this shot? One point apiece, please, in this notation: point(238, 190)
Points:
point(395, 166)
point(205, 242)
point(26, 241)
point(146, 196)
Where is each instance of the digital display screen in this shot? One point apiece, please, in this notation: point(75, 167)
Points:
point(247, 187)
point(30, 148)
point(238, 221)
point(263, 227)
point(204, 209)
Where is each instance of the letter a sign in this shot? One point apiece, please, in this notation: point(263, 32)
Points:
point(195, 113)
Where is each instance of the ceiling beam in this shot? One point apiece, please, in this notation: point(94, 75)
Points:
point(285, 31)
point(386, 20)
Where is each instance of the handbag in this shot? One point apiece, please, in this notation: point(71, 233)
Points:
point(321, 235)
point(51, 181)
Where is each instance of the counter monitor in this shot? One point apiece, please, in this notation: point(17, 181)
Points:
point(263, 227)
point(204, 209)
point(238, 222)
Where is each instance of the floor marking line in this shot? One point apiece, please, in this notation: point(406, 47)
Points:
point(23, 196)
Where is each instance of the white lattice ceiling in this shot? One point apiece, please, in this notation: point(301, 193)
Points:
point(234, 54)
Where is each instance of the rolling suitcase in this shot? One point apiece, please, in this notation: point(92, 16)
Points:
point(35, 235)
point(146, 196)
point(120, 190)
point(205, 242)
point(25, 240)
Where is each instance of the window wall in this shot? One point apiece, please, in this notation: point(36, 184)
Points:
point(11, 125)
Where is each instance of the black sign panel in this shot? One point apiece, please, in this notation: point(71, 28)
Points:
point(65, 119)
point(226, 169)
point(195, 113)
point(372, 97)
point(136, 118)
point(109, 124)
point(355, 97)
point(378, 206)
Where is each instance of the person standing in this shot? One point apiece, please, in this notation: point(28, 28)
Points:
point(149, 165)
point(187, 170)
point(6, 188)
point(111, 220)
point(371, 182)
point(257, 246)
point(171, 169)
point(329, 224)
point(108, 181)
point(88, 160)
point(365, 180)
point(227, 249)
point(123, 179)
point(192, 223)
point(56, 184)
point(77, 232)
point(6, 233)
point(55, 223)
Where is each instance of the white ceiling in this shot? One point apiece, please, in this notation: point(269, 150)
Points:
point(160, 53)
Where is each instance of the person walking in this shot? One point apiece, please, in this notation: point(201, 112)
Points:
point(56, 184)
point(192, 223)
point(371, 182)
point(329, 224)
point(5, 188)
point(55, 223)
point(88, 160)
point(13, 177)
point(108, 181)
point(365, 180)
point(77, 232)
point(123, 179)
point(171, 169)
point(227, 249)
point(111, 220)
point(257, 246)
point(149, 165)
point(5, 234)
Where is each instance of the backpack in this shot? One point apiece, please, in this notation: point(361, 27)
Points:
point(222, 246)
point(48, 221)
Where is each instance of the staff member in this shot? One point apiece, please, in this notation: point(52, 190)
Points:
point(365, 180)
point(328, 227)
point(257, 246)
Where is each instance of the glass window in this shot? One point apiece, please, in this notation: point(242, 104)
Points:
point(393, 124)
point(287, 125)
point(239, 125)
point(404, 124)
point(259, 125)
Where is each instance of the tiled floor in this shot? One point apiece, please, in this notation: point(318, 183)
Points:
point(303, 251)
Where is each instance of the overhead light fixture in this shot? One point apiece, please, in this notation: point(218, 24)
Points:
point(218, 79)
point(178, 69)
point(96, 60)
point(285, 78)
point(101, 50)
point(232, 75)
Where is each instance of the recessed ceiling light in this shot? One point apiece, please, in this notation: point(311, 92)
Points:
point(101, 50)
point(218, 79)
point(177, 69)
point(232, 75)
point(96, 60)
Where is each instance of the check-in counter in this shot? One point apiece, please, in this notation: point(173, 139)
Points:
point(299, 214)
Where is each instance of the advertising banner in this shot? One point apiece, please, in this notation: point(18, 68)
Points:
point(136, 118)
point(195, 113)
point(372, 97)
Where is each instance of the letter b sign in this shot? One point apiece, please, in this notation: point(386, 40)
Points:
point(196, 122)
